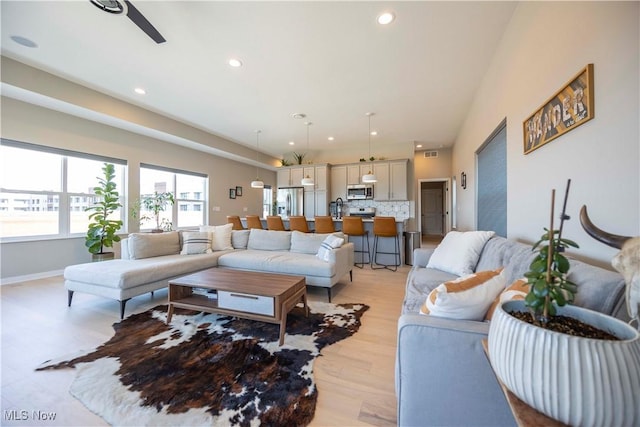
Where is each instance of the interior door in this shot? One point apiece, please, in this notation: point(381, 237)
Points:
point(432, 211)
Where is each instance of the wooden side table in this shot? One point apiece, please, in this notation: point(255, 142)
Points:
point(524, 414)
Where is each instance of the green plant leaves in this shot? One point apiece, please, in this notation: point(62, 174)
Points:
point(102, 231)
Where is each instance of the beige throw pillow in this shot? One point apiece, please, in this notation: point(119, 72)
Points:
point(221, 236)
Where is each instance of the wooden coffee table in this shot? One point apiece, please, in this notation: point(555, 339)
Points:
point(265, 297)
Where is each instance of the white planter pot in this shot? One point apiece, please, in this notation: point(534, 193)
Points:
point(578, 381)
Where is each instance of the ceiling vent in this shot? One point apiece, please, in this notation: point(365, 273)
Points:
point(431, 153)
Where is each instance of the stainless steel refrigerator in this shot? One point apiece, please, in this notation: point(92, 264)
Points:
point(290, 201)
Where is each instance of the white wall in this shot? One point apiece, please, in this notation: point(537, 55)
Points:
point(545, 45)
point(37, 125)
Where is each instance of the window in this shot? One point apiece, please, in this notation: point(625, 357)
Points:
point(48, 198)
point(190, 187)
point(492, 182)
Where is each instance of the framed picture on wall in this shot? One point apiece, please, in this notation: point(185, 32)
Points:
point(570, 107)
point(232, 193)
point(239, 191)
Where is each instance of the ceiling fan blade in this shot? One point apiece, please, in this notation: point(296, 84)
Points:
point(139, 19)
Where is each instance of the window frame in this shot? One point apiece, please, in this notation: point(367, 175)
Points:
point(175, 210)
point(64, 196)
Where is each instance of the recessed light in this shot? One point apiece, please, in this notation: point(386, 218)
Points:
point(23, 41)
point(292, 143)
point(386, 18)
point(298, 115)
point(374, 132)
point(331, 138)
point(140, 91)
point(234, 62)
point(419, 146)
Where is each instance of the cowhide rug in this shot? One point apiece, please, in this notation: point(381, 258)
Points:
point(207, 369)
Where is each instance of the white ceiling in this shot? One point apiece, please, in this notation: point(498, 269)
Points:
point(329, 60)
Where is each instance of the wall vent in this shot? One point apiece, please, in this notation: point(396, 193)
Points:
point(431, 153)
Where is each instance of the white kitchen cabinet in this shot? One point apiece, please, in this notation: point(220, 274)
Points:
point(339, 182)
point(321, 178)
point(381, 186)
point(398, 180)
point(392, 180)
point(290, 176)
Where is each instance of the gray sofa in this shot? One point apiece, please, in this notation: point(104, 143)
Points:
point(443, 377)
point(149, 261)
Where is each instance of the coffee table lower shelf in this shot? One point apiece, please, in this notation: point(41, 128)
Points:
point(276, 296)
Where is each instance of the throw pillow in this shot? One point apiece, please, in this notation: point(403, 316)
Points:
point(221, 238)
point(148, 245)
point(517, 291)
point(328, 244)
point(466, 298)
point(196, 242)
point(458, 253)
point(240, 238)
point(309, 243)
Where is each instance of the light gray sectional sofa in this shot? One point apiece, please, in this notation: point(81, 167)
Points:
point(149, 260)
point(443, 377)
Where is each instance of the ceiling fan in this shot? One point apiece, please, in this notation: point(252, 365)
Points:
point(118, 6)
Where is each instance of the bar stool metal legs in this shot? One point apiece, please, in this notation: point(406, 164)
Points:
point(385, 227)
point(363, 238)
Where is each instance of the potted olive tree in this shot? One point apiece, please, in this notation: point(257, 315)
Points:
point(153, 205)
point(563, 360)
point(102, 230)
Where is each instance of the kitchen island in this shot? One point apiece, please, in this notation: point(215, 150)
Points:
point(385, 244)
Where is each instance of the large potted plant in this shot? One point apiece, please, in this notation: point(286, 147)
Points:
point(154, 204)
point(586, 371)
point(102, 230)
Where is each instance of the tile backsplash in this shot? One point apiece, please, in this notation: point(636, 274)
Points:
point(399, 209)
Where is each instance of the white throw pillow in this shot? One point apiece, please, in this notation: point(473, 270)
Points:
point(196, 242)
point(466, 298)
point(331, 242)
point(221, 238)
point(458, 253)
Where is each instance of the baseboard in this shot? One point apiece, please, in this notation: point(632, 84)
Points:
point(27, 277)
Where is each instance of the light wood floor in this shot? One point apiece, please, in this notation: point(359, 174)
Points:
point(355, 377)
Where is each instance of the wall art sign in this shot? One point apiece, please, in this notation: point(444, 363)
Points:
point(232, 193)
point(569, 108)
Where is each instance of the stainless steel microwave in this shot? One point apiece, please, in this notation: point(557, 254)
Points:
point(359, 192)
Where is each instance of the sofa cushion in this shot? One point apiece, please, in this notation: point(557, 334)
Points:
point(240, 238)
point(518, 290)
point(466, 298)
point(147, 245)
point(309, 243)
point(328, 244)
point(269, 240)
point(458, 253)
point(129, 273)
point(278, 262)
point(221, 236)
point(196, 242)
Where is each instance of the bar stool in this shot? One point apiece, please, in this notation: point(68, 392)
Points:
point(274, 222)
point(353, 226)
point(298, 223)
point(235, 220)
point(253, 221)
point(385, 226)
point(324, 224)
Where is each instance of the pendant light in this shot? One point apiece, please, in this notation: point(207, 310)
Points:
point(257, 183)
point(369, 177)
point(307, 180)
